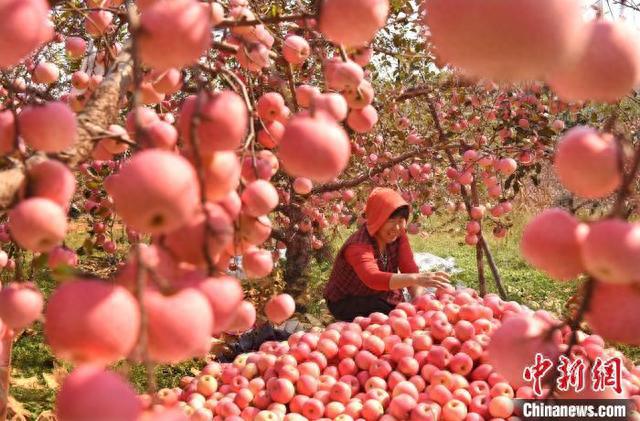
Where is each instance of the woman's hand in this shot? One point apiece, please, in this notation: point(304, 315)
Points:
point(432, 279)
point(425, 280)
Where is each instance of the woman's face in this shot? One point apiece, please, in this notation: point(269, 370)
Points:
point(392, 229)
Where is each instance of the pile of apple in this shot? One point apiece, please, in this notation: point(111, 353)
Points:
point(452, 356)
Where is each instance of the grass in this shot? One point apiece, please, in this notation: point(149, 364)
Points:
point(35, 370)
point(522, 283)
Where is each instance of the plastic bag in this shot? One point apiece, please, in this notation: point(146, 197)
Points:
point(428, 262)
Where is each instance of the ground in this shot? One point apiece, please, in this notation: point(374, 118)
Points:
point(36, 372)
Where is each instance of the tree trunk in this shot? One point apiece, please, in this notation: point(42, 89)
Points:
point(482, 281)
point(297, 264)
point(494, 269)
point(6, 344)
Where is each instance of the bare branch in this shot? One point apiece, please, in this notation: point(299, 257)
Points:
point(574, 324)
point(417, 91)
point(265, 20)
point(625, 189)
point(353, 182)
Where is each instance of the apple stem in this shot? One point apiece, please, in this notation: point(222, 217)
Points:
point(343, 53)
point(141, 269)
point(574, 325)
point(292, 86)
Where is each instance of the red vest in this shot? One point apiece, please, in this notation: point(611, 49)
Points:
point(344, 281)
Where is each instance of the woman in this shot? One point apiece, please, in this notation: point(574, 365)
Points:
point(365, 276)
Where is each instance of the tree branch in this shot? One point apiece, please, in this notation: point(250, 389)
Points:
point(574, 324)
point(482, 282)
point(417, 91)
point(99, 113)
point(279, 235)
point(353, 182)
point(493, 267)
point(625, 188)
point(10, 182)
point(264, 20)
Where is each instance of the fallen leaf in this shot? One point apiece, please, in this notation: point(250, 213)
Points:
point(27, 382)
point(313, 320)
point(46, 416)
point(56, 377)
point(50, 380)
point(20, 413)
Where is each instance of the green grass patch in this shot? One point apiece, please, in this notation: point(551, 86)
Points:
point(522, 283)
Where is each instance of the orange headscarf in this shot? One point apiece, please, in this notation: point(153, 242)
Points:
point(382, 202)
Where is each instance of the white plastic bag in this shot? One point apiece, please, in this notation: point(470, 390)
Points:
point(428, 262)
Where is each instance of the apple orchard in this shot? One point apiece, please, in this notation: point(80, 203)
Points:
point(179, 135)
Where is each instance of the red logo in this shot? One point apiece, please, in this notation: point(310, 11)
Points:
point(537, 371)
point(607, 374)
point(573, 374)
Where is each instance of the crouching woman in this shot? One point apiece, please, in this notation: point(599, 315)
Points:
point(376, 263)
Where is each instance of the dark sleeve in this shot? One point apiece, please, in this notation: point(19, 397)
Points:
point(363, 261)
point(406, 264)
